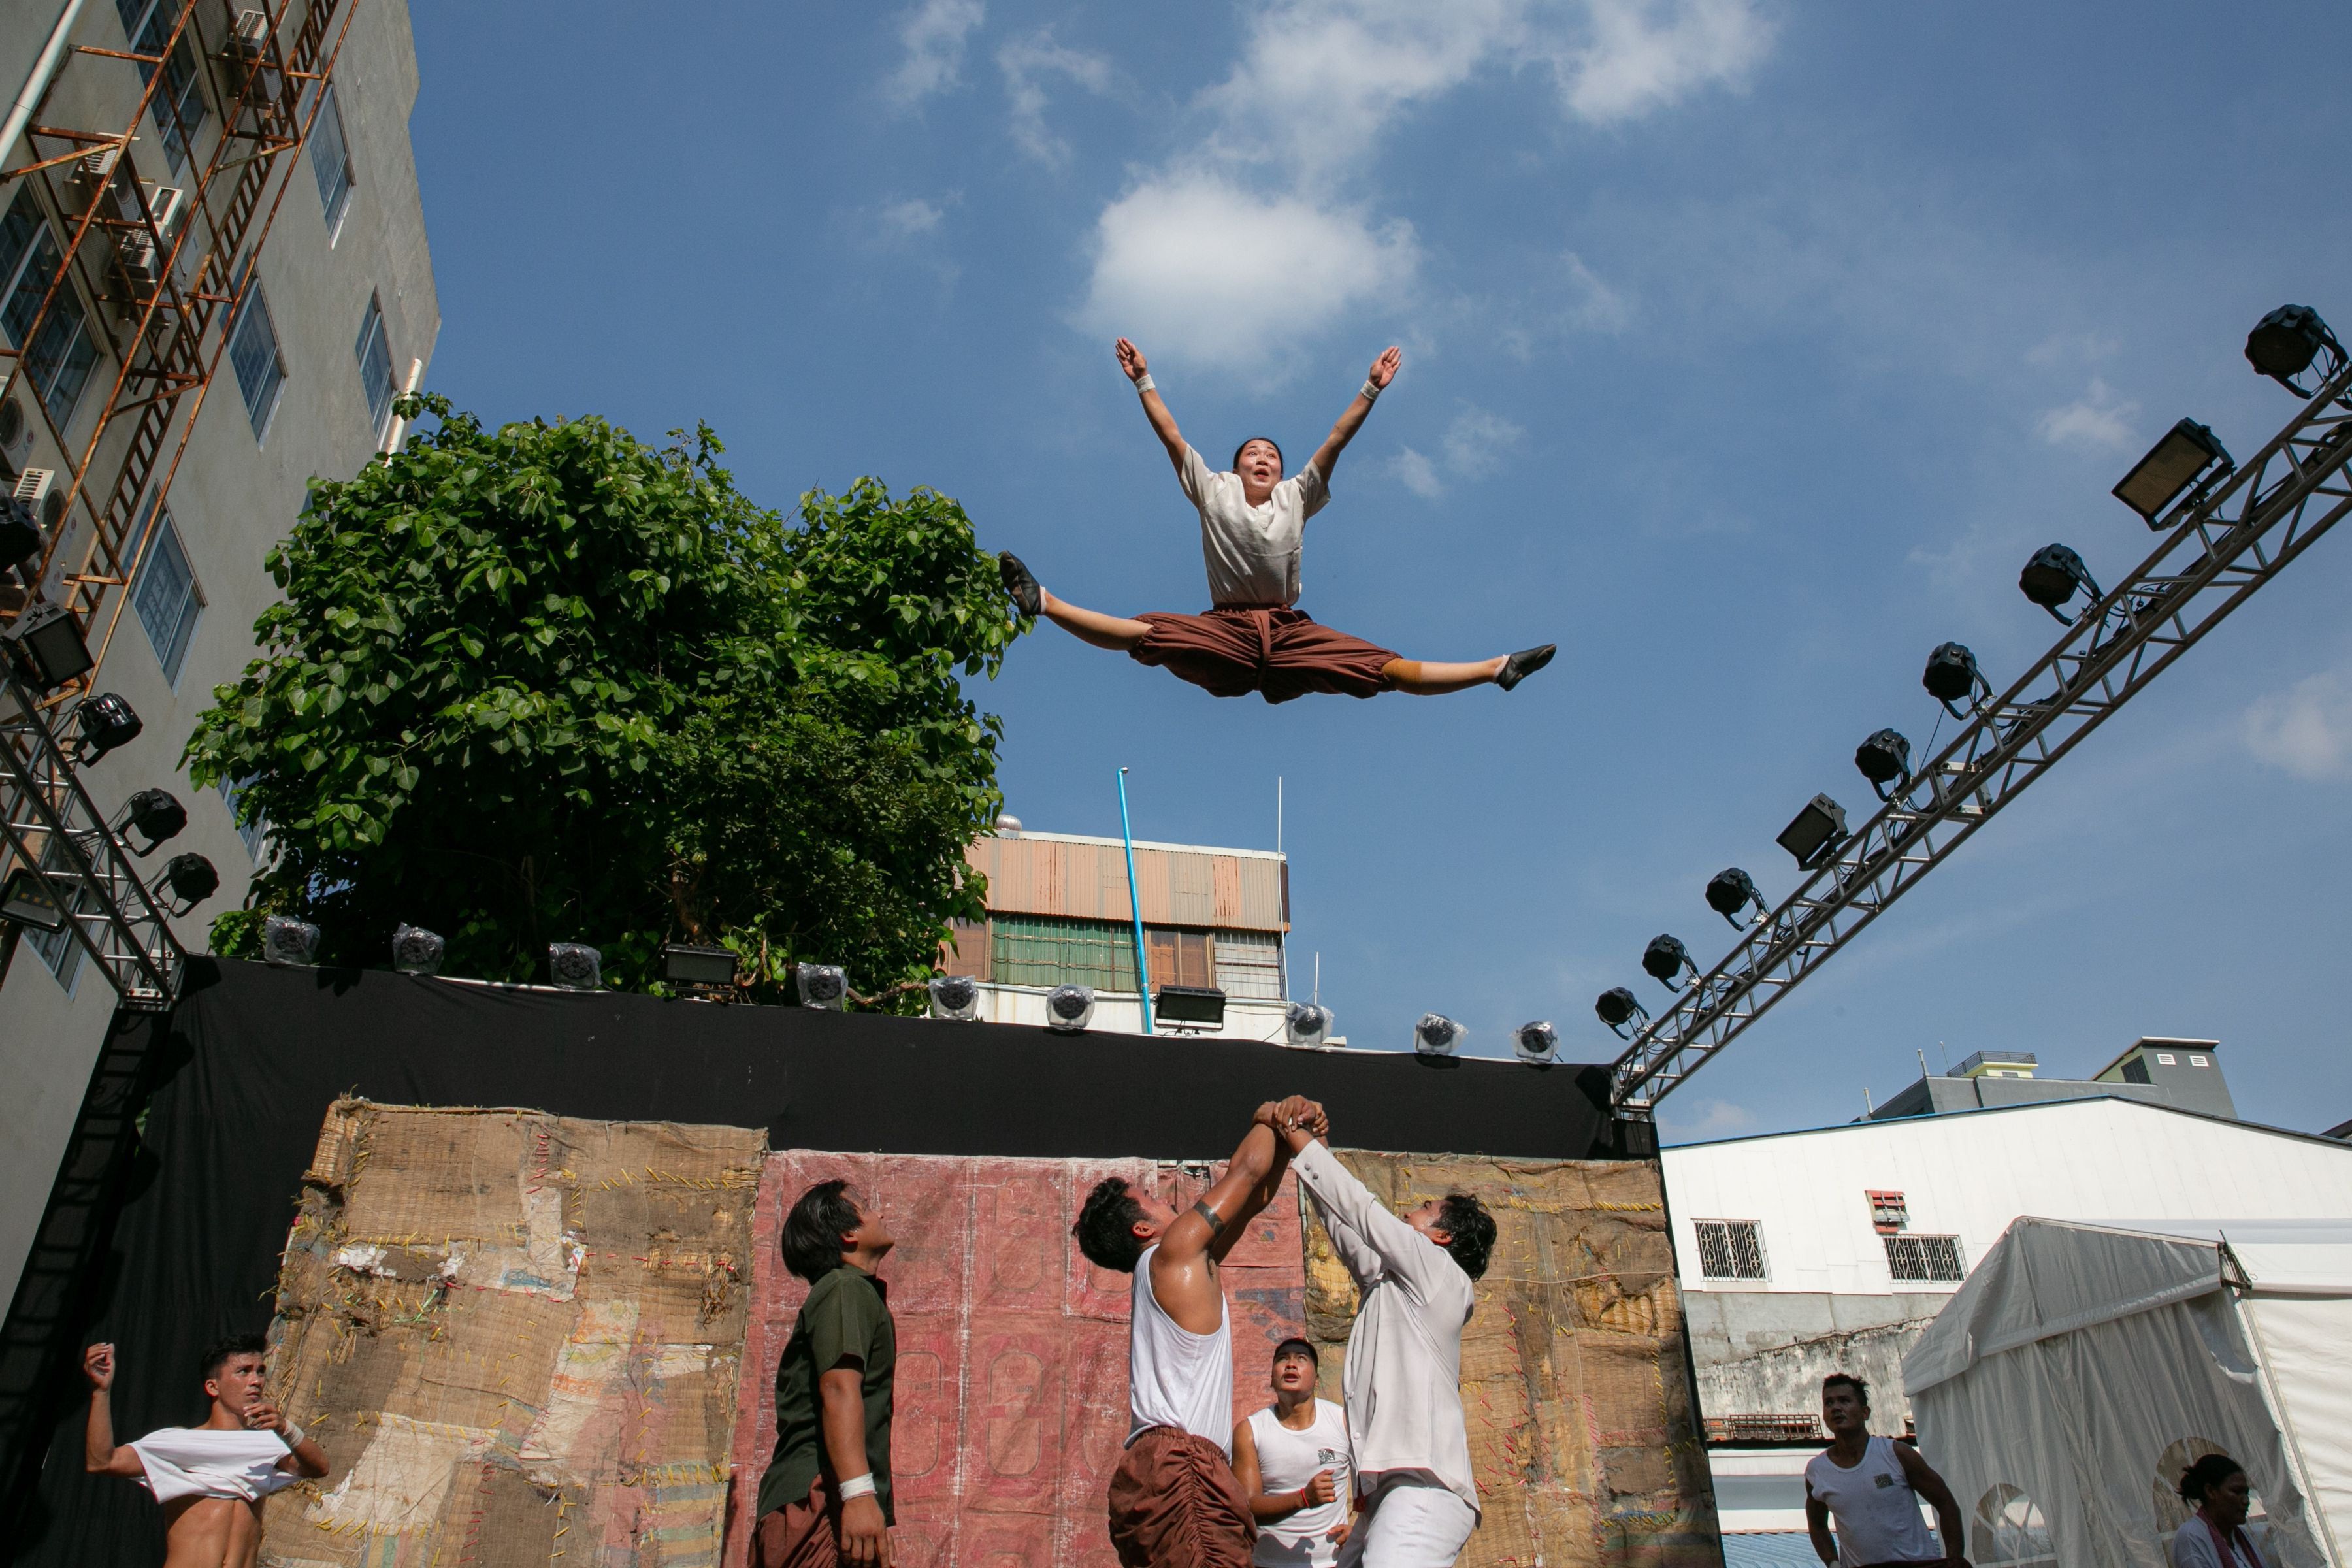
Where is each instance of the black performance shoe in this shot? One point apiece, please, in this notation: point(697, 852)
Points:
point(1027, 596)
point(1524, 663)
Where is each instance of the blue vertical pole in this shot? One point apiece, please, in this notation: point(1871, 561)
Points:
point(1135, 905)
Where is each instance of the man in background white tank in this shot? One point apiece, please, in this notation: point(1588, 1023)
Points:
point(1872, 1487)
point(1292, 1462)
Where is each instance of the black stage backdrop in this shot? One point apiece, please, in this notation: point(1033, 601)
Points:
point(164, 1241)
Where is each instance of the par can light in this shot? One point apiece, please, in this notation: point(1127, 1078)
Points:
point(106, 724)
point(1665, 960)
point(1069, 1009)
point(192, 879)
point(289, 943)
point(1307, 1023)
point(1619, 1007)
point(824, 986)
point(416, 951)
point(575, 966)
point(1885, 758)
point(20, 536)
point(1729, 892)
point(1437, 1035)
point(1536, 1043)
point(2284, 342)
point(154, 815)
point(2051, 577)
point(955, 997)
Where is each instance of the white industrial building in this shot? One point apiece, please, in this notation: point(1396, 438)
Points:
point(273, 158)
point(1832, 1249)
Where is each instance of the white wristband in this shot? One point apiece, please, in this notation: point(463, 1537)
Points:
point(292, 1436)
point(1371, 392)
point(858, 1486)
point(1144, 384)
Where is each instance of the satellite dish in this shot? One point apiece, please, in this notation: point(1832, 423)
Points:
point(1437, 1035)
point(955, 997)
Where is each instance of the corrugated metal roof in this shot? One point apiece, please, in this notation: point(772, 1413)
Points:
point(1086, 879)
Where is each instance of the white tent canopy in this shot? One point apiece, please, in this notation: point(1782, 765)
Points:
point(2080, 1368)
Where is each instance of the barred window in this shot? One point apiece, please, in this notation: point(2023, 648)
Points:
point(1731, 1249)
point(1049, 950)
point(1924, 1257)
point(1249, 965)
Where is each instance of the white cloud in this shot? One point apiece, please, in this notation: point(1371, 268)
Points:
point(933, 34)
point(2305, 730)
point(2094, 419)
point(1476, 440)
point(2060, 347)
point(1222, 274)
point(1416, 473)
point(1318, 83)
point(1641, 55)
point(906, 220)
point(1713, 1119)
point(1025, 62)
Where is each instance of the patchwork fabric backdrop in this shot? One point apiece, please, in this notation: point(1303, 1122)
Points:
point(530, 1338)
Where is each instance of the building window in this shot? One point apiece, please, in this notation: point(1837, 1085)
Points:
point(2198, 1062)
point(2164, 1058)
point(1930, 1258)
point(60, 950)
point(1888, 1212)
point(330, 160)
point(375, 365)
point(1178, 957)
point(60, 362)
point(253, 832)
point(179, 104)
point(260, 368)
point(1047, 950)
point(1249, 965)
point(1731, 1249)
point(168, 599)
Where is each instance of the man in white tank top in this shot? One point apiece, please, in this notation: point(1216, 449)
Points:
point(1293, 1461)
point(1175, 1503)
point(1872, 1487)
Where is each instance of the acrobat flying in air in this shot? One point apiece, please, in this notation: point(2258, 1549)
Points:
point(1251, 523)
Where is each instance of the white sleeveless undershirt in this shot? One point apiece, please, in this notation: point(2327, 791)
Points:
point(1872, 1510)
point(1287, 1460)
point(1175, 1377)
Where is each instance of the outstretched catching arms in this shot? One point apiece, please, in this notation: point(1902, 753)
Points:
point(1326, 456)
point(1155, 407)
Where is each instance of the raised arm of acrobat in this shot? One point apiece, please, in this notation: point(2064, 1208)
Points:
point(1155, 407)
point(1376, 380)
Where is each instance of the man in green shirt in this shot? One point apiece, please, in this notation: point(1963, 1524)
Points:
point(826, 1498)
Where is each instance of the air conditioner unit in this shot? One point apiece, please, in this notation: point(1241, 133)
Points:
point(250, 38)
point(15, 432)
point(37, 492)
point(168, 204)
point(98, 167)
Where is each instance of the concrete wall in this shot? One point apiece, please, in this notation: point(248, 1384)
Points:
point(234, 496)
point(1766, 1352)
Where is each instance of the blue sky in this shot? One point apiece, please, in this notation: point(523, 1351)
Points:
point(1749, 350)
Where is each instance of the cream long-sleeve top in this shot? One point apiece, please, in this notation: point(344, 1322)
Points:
point(1403, 1377)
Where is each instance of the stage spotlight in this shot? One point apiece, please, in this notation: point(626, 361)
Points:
point(824, 986)
point(20, 536)
point(1729, 894)
point(1437, 1035)
point(1952, 678)
point(1885, 758)
point(25, 899)
point(1536, 1042)
point(955, 997)
point(2187, 452)
point(192, 879)
point(685, 964)
point(2051, 578)
point(1665, 960)
point(575, 966)
point(1069, 1009)
point(1816, 833)
point(1307, 1023)
point(1199, 1006)
point(289, 943)
point(2283, 345)
point(106, 724)
point(1618, 1007)
point(154, 815)
point(48, 646)
point(416, 951)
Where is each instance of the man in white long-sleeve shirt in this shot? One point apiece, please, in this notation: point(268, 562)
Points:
point(1403, 1377)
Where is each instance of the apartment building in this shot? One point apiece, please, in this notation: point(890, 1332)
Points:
point(213, 280)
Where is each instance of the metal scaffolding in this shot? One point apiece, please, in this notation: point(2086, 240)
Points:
point(170, 268)
point(2217, 549)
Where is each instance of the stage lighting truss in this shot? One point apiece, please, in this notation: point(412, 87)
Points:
point(955, 997)
point(1536, 1043)
point(57, 837)
point(2217, 552)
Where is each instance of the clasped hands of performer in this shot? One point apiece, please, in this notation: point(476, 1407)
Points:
point(1294, 1115)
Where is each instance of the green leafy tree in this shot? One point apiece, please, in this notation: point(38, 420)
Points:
point(546, 683)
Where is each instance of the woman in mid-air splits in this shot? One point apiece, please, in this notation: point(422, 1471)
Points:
point(1251, 520)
